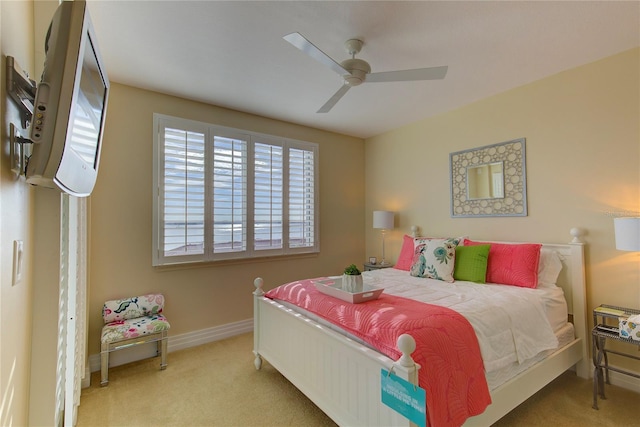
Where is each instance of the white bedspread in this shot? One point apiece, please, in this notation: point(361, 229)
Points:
point(511, 323)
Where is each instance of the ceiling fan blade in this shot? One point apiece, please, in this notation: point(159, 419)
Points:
point(298, 40)
point(334, 99)
point(432, 73)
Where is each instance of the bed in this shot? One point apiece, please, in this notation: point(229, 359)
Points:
point(340, 372)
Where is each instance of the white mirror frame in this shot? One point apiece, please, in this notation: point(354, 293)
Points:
point(514, 203)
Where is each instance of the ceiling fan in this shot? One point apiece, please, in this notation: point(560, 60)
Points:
point(356, 71)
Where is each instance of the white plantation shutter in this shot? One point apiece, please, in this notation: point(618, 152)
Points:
point(77, 365)
point(268, 196)
point(184, 192)
point(224, 193)
point(71, 325)
point(73, 297)
point(63, 324)
point(229, 195)
point(301, 198)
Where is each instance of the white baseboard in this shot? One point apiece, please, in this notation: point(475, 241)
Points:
point(618, 379)
point(624, 381)
point(176, 342)
point(86, 380)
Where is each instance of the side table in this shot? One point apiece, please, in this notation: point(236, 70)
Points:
point(606, 327)
point(371, 267)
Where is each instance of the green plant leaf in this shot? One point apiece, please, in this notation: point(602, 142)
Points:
point(352, 270)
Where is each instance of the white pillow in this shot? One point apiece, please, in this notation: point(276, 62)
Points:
point(549, 268)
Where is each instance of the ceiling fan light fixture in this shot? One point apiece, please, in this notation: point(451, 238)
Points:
point(358, 70)
point(353, 80)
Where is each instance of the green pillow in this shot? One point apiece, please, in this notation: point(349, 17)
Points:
point(471, 263)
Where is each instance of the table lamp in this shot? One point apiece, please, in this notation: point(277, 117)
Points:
point(383, 220)
point(627, 232)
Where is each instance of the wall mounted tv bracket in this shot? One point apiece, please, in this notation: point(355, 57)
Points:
point(23, 91)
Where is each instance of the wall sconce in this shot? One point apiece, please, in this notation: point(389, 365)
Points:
point(383, 220)
point(627, 232)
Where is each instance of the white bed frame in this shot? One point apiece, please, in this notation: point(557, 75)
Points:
point(342, 377)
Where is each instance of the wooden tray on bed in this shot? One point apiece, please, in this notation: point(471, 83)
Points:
point(333, 287)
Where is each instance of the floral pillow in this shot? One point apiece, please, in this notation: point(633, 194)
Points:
point(434, 258)
point(131, 308)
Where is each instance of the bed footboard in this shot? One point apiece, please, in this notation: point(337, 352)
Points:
point(341, 376)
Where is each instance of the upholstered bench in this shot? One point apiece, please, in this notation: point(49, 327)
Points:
point(133, 321)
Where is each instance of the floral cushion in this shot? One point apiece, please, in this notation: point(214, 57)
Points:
point(119, 330)
point(130, 308)
point(434, 258)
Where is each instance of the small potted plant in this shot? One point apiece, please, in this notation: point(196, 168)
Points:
point(352, 279)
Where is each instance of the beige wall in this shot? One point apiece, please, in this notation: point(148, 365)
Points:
point(214, 294)
point(31, 215)
point(582, 130)
point(16, 207)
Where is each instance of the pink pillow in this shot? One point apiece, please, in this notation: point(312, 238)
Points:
point(405, 259)
point(512, 264)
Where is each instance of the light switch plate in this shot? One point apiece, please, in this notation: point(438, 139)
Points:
point(17, 262)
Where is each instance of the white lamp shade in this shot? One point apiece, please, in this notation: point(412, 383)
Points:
point(627, 233)
point(383, 220)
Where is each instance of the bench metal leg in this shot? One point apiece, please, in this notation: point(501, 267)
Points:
point(161, 339)
point(163, 351)
point(104, 365)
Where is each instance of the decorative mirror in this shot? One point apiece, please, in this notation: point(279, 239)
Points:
point(489, 181)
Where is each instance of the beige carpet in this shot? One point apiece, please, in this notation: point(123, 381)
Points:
point(217, 385)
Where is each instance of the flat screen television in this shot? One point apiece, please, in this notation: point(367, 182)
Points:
point(70, 105)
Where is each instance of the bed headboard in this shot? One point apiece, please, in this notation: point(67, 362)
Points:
point(573, 283)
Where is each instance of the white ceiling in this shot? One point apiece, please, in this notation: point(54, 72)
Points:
point(231, 53)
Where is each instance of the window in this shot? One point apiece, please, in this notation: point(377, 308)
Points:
point(223, 193)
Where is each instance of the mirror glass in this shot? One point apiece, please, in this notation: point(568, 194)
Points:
point(485, 181)
point(489, 181)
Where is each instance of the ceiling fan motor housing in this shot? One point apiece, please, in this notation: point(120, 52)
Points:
point(358, 69)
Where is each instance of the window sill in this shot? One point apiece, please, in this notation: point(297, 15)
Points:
point(232, 262)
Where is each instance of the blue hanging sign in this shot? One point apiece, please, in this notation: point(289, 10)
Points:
point(405, 398)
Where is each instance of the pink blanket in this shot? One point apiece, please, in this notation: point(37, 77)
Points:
point(452, 372)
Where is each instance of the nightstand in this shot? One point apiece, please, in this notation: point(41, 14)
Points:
point(371, 267)
point(606, 327)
